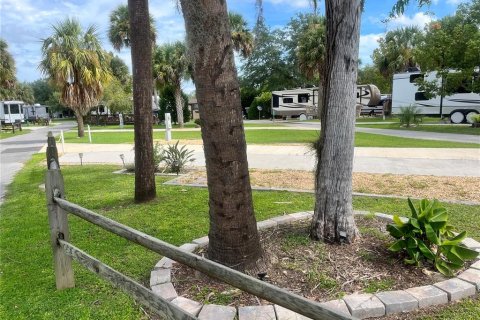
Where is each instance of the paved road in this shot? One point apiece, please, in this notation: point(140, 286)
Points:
point(454, 137)
point(408, 161)
point(15, 151)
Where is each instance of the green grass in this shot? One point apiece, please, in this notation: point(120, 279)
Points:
point(379, 119)
point(187, 125)
point(449, 128)
point(265, 136)
point(178, 215)
point(9, 134)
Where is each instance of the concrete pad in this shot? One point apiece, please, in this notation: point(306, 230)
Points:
point(471, 243)
point(165, 263)
point(202, 242)
point(471, 276)
point(364, 305)
point(428, 296)
point(165, 290)
point(159, 276)
point(216, 312)
point(189, 247)
point(266, 224)
point(456, 288)
point(476, 265)
point(302, 215)
point(285, 219)
point(286, 314)
point(397, 301)
point(256, 313)
point(190, 306)
point(337, 305)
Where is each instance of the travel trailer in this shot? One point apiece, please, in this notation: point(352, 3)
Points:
point(11, 111)
point(460, 106)
point(35, 112)
point(302, 103)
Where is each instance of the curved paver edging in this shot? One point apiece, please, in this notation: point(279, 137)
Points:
point(360, 306)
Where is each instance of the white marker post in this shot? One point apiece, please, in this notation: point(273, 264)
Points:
point(62, 139)
point(168, 127)
point(120, 116)
point(89, 134)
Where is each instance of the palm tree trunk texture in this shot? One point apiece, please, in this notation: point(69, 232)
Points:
point(142, 99)
point(233, 234)
point(80, 126)
point(179, 104)
point(333, 216)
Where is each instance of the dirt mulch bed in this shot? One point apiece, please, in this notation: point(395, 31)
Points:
point(445, 188)
point(315, 270)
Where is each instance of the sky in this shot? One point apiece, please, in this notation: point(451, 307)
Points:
point(24, 23)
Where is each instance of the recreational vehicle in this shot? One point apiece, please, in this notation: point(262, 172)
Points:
point(35, 112)
point(460, 106)
point(302, 103)
point(11, 111)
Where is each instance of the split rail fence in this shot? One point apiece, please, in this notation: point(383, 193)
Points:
point(64, 252)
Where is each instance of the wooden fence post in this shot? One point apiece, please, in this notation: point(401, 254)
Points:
point(57, 218)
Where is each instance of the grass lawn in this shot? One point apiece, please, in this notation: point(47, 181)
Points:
point(8, 134)
point(261, 136)
point(379, 119)
point(178, 215)
point(448, 128)
point(187, 125)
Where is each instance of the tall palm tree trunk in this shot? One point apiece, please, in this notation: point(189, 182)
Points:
point(333, 216)
point(233, 235)
point(80, 125)
point(179, 104)
point(142, 100)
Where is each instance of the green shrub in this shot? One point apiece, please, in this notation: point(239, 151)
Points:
point(409, 115)
point(427, 236)
point(158, 155)
point(198, 122)
point(176, 158)
point(264, 100)
point(476, 118)
point(167, 105)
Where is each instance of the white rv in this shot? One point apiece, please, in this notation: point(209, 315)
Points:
point(11, 111)
point(302, 103)
point(35, 112)
point(460, 106)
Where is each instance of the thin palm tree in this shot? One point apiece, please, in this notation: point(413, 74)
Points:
point(76, 63)
point(170, 66)
point(242, 38)
point(7, 66)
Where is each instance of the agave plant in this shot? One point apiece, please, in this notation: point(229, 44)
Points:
point(176, 158)
point(427, 236)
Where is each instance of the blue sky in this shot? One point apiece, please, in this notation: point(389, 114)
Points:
point(23, 23)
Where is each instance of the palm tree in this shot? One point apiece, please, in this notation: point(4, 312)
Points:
point(396, 51)
point(75, 61)
point(7, 66)
point(242, 38)
point(233, 234)
point(170, 66)
point(140, 29)
point(119, 30)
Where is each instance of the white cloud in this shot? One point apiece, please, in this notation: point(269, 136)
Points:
point(293, 3)
point(420, 19)
point(368, 43)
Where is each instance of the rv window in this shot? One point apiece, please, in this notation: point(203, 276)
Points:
point(287, 100)
point(419, 96)
point(5, 109)
point(101, 109)
point(414, 77)
point(303, 98)
point(14, 108)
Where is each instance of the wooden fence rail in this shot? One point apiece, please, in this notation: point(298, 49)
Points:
point(64, 251)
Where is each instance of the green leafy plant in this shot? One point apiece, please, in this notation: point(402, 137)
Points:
point(158, 155)
point(198, 122)
point(409, 115)
point(427, 236)
point(476, 118)
point(176, 158)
